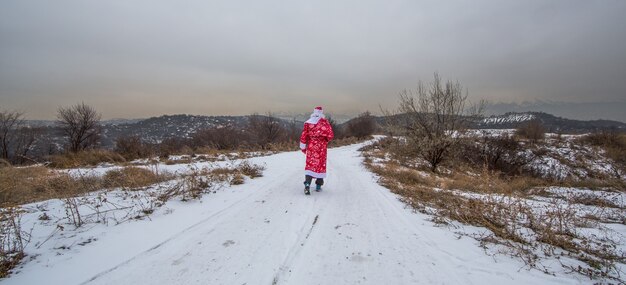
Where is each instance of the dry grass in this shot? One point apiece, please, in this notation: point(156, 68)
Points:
point(613, 143)
point(133, 178)
point(85, 158)
point(30, 184)
point(183, 160)
point(509, 217)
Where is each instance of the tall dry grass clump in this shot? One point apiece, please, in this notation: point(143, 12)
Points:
point(30, 184)
point(85, 158)
point(133, 178)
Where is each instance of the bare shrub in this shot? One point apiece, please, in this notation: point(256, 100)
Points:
point(613, 143)
point(237, 179)
point(251, 170)
point(191, 185)
point(498, 153)
point(132, 147)
point(80, 123)
point(224, 138)
point(434, 117)
point(85, 158)
point(532, 130)
point(266, 129)
point(170, 146)
point(362, 126)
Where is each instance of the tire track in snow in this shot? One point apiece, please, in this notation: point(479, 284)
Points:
point(234, 206)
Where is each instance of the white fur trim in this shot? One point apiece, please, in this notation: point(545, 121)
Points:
point(315, 174)
point(302, 146)
point(315, 117)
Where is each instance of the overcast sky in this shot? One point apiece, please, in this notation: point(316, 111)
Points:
point(137, 59)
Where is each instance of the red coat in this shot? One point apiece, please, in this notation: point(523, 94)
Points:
point(314, 140)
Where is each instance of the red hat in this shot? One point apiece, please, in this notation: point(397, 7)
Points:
point(318, 110)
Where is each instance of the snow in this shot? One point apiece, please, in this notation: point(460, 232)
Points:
point(267, 232)
point(509, 118)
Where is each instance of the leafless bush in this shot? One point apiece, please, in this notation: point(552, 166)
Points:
point(13, 239)
point(80, 123)
point(501, 153)
point(170, 146)
point(433, 118)
point(132, 147)
point(224, 138)
point(532, 130)
point(251, 170)
point(613, 143)
point(362, 126)
point(191, 185)
point(266, 129)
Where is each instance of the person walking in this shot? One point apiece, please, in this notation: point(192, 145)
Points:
point(316, 134)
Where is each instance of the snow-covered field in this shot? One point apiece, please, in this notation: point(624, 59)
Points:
point(267, 232)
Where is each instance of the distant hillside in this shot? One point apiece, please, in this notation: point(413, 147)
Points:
point(156, 129)
point(152, 130)
point(552, 123)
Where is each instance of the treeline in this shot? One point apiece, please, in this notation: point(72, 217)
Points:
point(79, 131)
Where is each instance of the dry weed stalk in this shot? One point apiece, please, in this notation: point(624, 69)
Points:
point(13, 239)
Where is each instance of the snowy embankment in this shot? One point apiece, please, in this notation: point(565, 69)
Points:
point(267, 232)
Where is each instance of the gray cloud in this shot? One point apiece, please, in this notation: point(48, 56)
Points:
point(142, 58)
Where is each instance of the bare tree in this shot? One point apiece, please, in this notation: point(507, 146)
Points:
point(80, 123)
point(267, 129)
point(434, 118)
point(532, 130)
point(362, 126)
point(16, 140)
point(10, 121)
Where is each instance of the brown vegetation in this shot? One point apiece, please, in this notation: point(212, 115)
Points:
point(613, 143)
point(434, 118)
point(533, 130)
point(16, 139)
point(85, 158)
point(482, 186)
point(80, 123)
point(132, 178)
point(361, 127)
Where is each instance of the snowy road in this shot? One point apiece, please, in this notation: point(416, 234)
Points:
point(268, 232)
